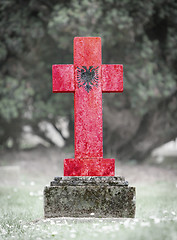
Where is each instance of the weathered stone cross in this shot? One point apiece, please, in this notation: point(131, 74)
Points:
point(87, 78)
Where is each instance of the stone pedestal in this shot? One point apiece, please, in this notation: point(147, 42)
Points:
point(89, 197)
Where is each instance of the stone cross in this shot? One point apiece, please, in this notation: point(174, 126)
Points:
point(88, 78)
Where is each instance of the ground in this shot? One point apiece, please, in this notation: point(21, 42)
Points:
point(24, 174)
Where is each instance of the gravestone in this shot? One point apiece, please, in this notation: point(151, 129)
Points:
point(89, 187)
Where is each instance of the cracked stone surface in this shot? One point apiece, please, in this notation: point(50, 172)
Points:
point(89, 197)
point(85, 181)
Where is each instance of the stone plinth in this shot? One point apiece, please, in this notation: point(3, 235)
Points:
point(89, 197)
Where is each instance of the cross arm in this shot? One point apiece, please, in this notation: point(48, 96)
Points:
point(112, 77)
point(63, 78)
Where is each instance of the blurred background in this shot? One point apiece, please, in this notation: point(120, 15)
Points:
point(37, 126)
point(141, 35)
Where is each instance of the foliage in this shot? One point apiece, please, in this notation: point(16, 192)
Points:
point(36, 34)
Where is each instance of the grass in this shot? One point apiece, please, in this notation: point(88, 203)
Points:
point(21, 216)
point(21, 202)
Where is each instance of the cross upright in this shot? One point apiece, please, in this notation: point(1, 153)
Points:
point(87, 78)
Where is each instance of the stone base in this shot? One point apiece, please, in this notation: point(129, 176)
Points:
point(89, 197)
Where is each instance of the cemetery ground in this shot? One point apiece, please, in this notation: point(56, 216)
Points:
point(24, 174)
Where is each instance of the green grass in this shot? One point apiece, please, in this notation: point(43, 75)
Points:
point(21, 216)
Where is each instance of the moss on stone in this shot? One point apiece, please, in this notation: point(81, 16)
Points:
point(80, 201)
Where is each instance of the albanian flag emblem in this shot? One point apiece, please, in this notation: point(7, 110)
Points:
point(87, 78)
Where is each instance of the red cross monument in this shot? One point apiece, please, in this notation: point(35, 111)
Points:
point(88, 78)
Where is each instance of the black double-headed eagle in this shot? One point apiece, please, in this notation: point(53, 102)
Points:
point(87, 77)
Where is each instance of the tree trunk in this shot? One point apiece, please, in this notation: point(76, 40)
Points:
point(142, 135)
